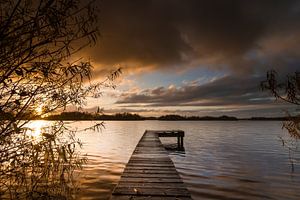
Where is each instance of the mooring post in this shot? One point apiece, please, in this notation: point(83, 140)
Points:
point(181, 141)
point(175, 133)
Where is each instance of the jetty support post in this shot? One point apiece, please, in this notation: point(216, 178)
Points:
point(174, 133)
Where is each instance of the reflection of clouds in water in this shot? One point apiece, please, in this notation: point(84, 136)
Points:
point(99, 177)
point(108, 152)
point(221, 160)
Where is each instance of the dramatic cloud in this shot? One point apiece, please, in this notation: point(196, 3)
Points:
point(242, 36)
point(159, 40)
point(224, 91)
point(231, 95)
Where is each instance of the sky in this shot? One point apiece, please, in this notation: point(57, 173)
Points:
point(194, 57)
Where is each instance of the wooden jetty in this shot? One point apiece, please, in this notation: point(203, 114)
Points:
point(150, 174)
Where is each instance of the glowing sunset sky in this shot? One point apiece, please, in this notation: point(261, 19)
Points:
point(195, 57)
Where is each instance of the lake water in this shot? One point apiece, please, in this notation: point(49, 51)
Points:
point(222, 159)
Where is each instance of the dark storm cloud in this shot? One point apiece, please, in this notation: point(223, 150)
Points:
point(138, 32)
point(240, 35)
point(229, 90)
point(267, 111)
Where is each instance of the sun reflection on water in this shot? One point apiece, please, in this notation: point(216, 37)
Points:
point(36, 127)
point(39, 109)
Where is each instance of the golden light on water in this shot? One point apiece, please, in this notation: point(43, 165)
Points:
point(36, 128)
point(39, 109)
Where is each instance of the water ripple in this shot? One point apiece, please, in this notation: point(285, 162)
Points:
point(222, 160)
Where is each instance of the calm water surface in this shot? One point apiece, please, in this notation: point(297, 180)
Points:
point(222, 160)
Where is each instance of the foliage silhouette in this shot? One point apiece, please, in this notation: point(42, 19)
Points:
point(38, 76)
point(288, 91)
point(131, 116)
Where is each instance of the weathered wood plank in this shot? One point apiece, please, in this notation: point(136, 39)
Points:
point(177, 192)
point(151, 180)
point(150, 173)
point(135, 197)
point(154, 185)
point(134, 159)
point(150, 165)
point(153, 162)
point(151, 168)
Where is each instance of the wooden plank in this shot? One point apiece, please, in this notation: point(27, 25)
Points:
point(135, 159)
point(154, 185)
point(136, 197)
point(150, 180)
point(150, 164)
point(153, 168)
point(149, 155)
point(161, 161)
point(173, 192)
point(150, 173)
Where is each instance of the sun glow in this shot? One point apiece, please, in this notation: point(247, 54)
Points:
point(39, 109)
point(36, 127)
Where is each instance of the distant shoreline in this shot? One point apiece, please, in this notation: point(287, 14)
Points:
point(84, 116)
point(155, 120)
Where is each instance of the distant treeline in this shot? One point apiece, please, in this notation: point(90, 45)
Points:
point(195, 118)
point(91, 116)
point(130, 116)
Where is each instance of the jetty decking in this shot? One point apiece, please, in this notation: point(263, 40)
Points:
point(150, 173)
